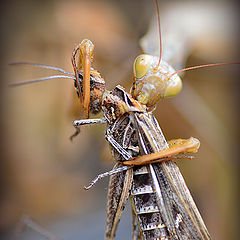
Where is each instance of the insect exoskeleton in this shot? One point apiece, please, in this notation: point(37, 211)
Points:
point(153, 81)
point(97, 89)
point(114, 106)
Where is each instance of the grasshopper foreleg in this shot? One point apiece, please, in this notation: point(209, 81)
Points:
point(78, 123)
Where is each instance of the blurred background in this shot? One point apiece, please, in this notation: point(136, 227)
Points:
point(42, 172)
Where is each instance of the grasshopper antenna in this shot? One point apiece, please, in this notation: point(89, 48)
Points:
point(41, 80)
point(159, 33)
point(202, 66)
point(41, 66)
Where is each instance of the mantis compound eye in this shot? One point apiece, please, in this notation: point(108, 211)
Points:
point(141, 65)
point(173, 86)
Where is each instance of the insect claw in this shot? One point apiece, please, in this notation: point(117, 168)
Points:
point(77, 131)
point(94, 181)
point(88, 187)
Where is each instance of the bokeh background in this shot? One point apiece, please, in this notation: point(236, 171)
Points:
point(42, 172)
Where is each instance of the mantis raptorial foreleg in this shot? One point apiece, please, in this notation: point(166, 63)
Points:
point(176, 147)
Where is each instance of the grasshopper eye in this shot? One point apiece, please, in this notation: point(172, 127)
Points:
point(141, 65)
point(173, 87)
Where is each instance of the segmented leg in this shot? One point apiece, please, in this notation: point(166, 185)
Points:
point(125, 154)
point(78, 123)
point(176, 146)
point(85, 49)
point(106, 174)
point(190, 145)
point(85, 59)
point(124, 168)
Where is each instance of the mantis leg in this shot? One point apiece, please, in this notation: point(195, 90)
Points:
point(85, 49)
point(177, 146)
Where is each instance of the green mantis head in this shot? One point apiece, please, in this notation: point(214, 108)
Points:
point(153, 81)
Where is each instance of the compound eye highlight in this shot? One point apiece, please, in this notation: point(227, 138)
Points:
point(141, 65)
